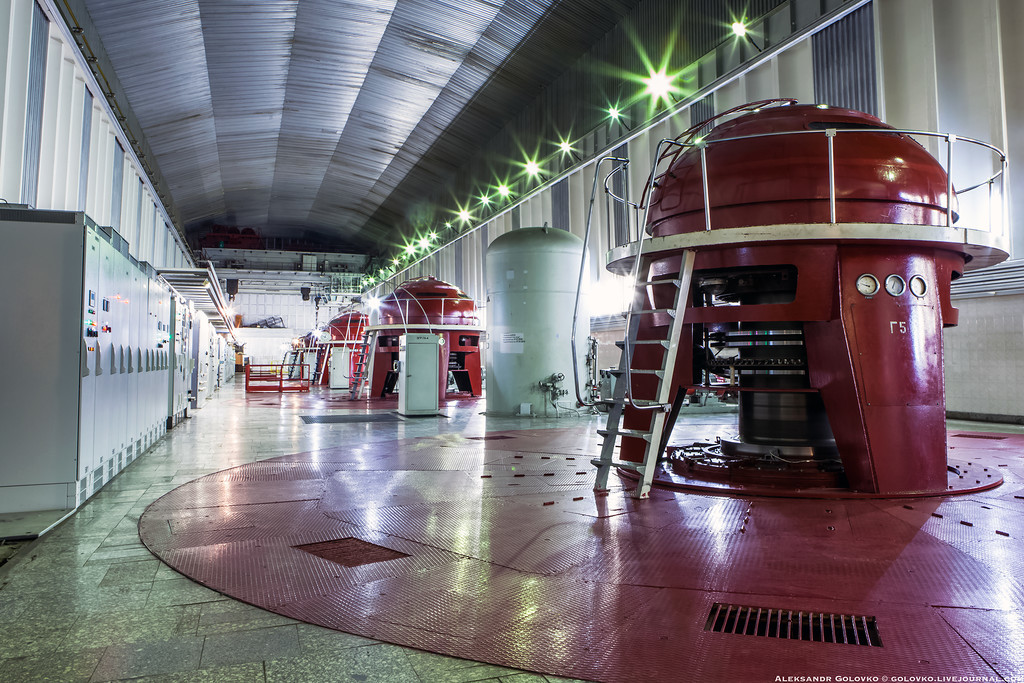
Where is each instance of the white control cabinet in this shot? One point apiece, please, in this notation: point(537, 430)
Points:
point(86, 358)
point(418, 358)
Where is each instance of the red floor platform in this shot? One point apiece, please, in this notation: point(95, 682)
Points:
point(496, 549)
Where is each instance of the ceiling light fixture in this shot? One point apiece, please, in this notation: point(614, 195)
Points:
point(658, 85)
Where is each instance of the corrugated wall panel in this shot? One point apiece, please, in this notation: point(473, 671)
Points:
point(702, 110)
point(620, 212)
point(34, 108)
point(83, 168)
point(459, 279)
point(140, 195)
point(844, 63)
point(117, 186)
point(560, 204)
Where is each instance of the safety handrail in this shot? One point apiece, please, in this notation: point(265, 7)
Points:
point(583, 266)
point(404, 314)
point(272, 377)
point(830, 133)
point(635, 274)
point(611, 193)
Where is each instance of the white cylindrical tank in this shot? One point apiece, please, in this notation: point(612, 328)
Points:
point(531, 292)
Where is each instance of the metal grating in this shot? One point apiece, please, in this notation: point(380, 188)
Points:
point(992, 437)
point(787, 624)
point(350, 552)
point(349, 419)
point(490, 437)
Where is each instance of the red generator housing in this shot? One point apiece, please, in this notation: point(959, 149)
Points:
point(428, 305)
point(346, 330)
point(824, 248)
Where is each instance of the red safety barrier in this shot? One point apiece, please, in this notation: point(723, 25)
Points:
point(277, 377)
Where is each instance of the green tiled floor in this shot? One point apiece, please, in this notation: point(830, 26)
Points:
point(88, 602)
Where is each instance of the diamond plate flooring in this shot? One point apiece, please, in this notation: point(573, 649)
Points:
point(503, 554)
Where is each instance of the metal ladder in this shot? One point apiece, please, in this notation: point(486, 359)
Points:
point(359, 368)
point(288, 365)
point(661, 403)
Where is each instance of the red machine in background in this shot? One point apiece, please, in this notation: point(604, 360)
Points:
point(230, 237)
point(342, 350)
point(433, 306)
point(805, 255)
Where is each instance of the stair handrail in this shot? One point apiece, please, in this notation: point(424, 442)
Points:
point(583, 266)
point(635, 274)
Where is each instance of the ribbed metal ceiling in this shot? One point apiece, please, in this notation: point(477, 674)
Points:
point(301, 117)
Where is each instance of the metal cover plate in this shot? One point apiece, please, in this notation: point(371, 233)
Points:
point(350, 419)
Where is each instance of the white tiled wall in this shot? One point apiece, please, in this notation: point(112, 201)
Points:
point(984, 357)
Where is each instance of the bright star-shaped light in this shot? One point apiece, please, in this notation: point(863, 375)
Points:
point(658, 85)
point(485, 200)
point(424, 243)
point(565, 147)
point(503, 190)
point(739, 28)
point(464, 216)
point(532, 168)
point(613, 113)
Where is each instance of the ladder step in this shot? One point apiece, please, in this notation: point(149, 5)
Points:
point(645, 283)
point(637, 371)
point(648, 311)
point(647, 403)
point(625, 432)
point(621, 464)
point(642, 342)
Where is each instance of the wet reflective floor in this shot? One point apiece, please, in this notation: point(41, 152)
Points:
point(476, 541)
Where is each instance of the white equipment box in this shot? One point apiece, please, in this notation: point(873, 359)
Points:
point(88, 359)
point(340, 367)
point(418, 371)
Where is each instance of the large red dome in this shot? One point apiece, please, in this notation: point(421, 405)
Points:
point(880, 176)
point(428, 301)
point(347, 326)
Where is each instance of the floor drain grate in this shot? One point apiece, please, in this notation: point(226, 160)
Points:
point(350, 552)
point(980, 436)
point(492, 437)
point(818, 627)
point(349, 419)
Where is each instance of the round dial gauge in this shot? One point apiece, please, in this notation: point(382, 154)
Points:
point(895, 285)
point(918, 287)
point(867, 284)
